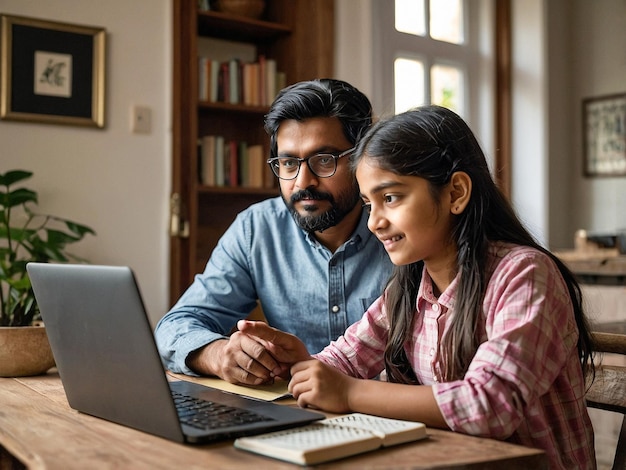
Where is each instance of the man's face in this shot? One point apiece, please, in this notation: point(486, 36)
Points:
point(317, 203)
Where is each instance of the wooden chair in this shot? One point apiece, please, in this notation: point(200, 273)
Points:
point(608, 390)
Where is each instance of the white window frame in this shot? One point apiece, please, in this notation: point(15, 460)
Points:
point(475, 57)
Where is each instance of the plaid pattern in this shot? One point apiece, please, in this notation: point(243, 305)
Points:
point(524, 384)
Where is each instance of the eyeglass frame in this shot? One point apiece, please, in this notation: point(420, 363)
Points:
point(302, 160)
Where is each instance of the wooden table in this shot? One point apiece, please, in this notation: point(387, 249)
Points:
point(38, 430)
point(612, 327)
point(600, 266)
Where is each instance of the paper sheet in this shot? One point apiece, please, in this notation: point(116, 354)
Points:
point(273, 392)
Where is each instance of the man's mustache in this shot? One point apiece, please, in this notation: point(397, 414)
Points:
point(309, 194)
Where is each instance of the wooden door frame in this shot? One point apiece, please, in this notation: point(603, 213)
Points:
point(503, 98)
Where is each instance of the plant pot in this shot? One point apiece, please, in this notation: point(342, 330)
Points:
point(24, 350)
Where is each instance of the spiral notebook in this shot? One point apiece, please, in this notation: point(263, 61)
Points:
point(333, 438)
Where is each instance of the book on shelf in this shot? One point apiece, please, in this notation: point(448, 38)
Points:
point(213, 78)
point(226, 165)
point(256, 163)
point(207, 160)
point(234, 81)
point(251, 84)
point(244, 167)
point(232, 173)
point(223, 83)
point(333, 438)
point(281, 81)
point(263, 78)
point(203, 84)
point(233, 163)
point(219, 160)
point(271, 85)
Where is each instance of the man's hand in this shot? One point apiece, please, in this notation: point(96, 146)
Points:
point(285, 348)
point(241, 359)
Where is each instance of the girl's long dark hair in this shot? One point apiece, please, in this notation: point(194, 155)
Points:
point(433, 142)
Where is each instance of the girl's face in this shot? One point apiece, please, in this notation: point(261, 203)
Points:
point(406, 218)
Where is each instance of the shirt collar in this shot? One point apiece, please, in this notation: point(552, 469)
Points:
point(425, 292)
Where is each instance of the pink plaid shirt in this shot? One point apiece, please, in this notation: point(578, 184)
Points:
point(524, 384)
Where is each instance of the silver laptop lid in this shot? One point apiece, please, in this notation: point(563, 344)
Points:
point(105, 351)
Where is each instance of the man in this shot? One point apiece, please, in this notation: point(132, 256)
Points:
point(308, 256)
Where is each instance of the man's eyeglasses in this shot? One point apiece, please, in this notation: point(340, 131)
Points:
point(322, 165)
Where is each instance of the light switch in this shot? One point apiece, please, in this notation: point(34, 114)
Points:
point(141, 120)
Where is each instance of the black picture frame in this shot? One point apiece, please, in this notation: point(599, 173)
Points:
point(604, 135)
point(52, 72)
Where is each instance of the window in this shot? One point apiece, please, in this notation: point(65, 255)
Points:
point(408, 83)
point(436, 51)
point(432, 20)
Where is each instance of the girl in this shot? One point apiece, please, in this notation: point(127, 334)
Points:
point(480, 329)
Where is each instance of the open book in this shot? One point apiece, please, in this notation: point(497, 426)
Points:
point(333, 438)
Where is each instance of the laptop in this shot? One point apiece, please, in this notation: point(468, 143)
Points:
point(110, 367)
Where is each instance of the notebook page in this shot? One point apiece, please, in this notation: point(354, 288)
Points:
point(271, 392)
point(392, 431)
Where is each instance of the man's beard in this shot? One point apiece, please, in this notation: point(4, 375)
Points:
point(338, 209)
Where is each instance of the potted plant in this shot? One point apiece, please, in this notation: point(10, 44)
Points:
point(26, 236)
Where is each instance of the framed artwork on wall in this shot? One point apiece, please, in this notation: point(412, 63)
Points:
point(604, 135)
point(52, 72)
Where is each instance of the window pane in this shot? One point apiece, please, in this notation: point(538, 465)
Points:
point(410, 17)
point(446, 20)
point(408, 84)
point(447, 87)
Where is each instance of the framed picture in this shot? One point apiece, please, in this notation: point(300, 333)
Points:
point(52, 72)
point(604, 135)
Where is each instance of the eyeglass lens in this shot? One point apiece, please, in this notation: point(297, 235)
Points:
point(322, 165)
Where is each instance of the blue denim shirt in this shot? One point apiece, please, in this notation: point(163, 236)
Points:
point(302, 286)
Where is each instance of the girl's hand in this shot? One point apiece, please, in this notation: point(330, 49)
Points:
point(317, 385)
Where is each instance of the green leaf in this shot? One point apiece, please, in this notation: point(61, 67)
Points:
point(79, 229)
point(13, 176)
point(58, 238)
point(17, 197)
point(17, 234)
point(19, 284)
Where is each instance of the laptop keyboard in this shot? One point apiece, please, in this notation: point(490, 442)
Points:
point(203, 414)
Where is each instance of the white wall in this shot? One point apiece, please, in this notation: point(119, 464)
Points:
point(559, 129)
point(529, 108)
point(354, 47)
point(598, 67)
point(564, 52)
point(113, 180)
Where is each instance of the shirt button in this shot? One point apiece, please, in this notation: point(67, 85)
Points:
point(431, 352)
point(435, 307)
point(335, 308)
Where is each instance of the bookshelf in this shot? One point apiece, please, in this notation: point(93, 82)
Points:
point(299, 36)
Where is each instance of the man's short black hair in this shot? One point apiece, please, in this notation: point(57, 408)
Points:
point(324, 97)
